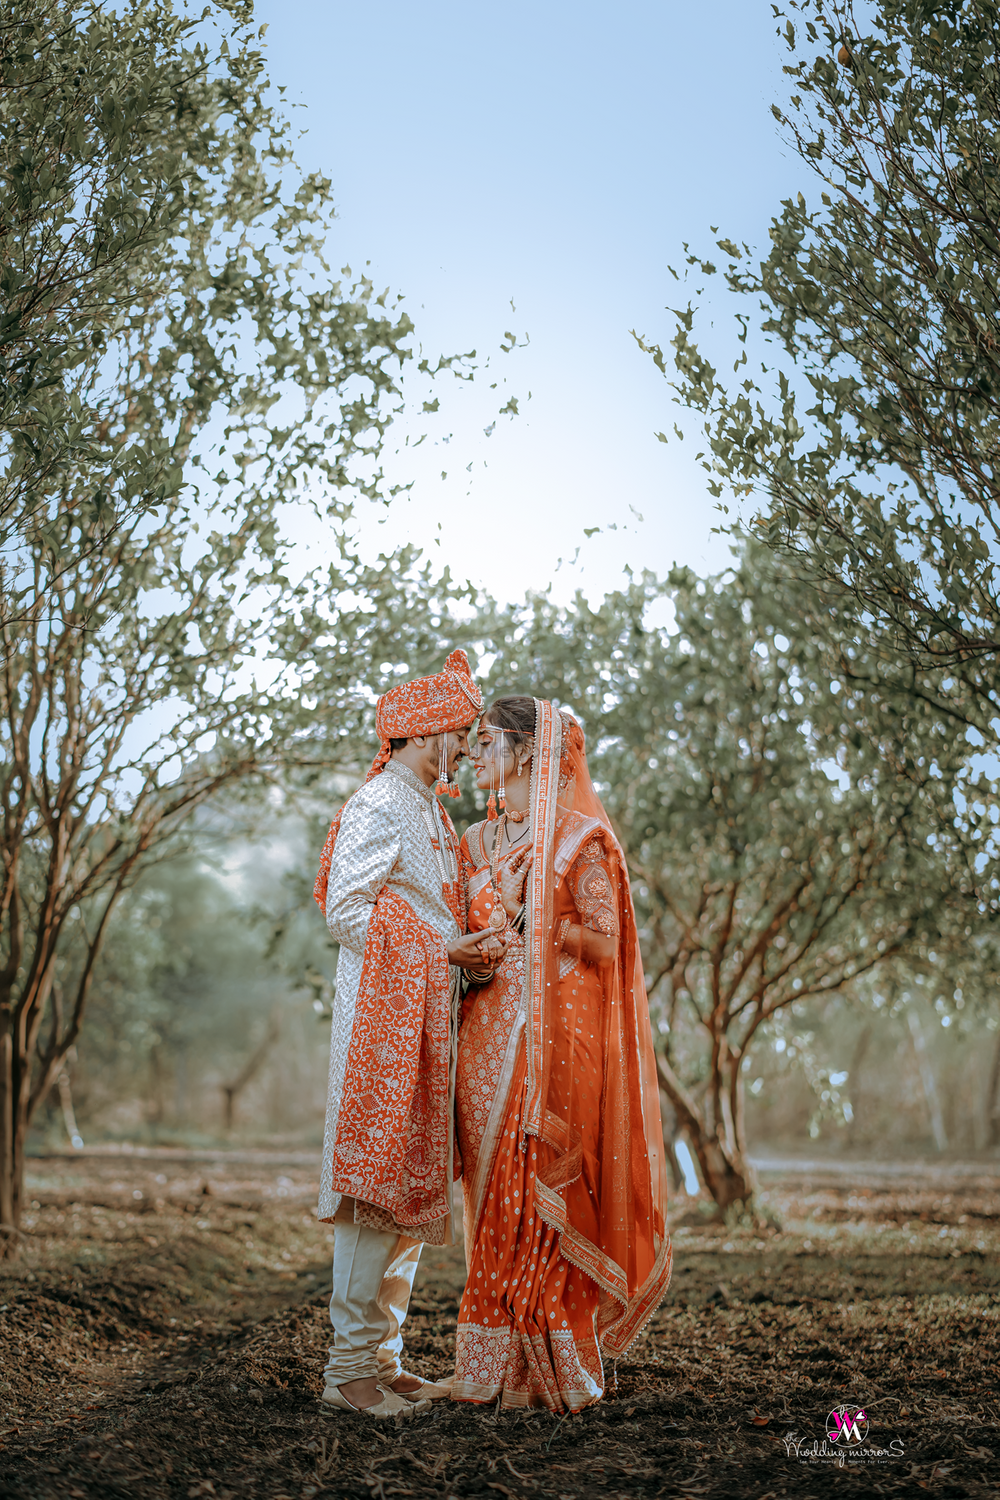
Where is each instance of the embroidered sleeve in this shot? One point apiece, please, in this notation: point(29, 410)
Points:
point(368, 846)
point(592, 891)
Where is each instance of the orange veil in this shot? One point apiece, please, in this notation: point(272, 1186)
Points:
point(608, 1203)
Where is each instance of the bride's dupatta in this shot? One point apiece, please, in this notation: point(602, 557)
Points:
point(558, 1113)
point(629, 1255)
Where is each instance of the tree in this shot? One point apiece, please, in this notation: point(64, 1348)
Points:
point(113, 738)
point(183, 984)
point(872, 456)
point(146, 608)
point(151, 233)
point(758, 880)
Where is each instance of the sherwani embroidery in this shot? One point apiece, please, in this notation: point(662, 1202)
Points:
point(392, 837)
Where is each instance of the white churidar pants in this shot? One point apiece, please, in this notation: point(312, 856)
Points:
point(373, 1275)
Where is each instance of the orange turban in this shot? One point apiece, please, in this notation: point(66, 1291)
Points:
point(429, 705)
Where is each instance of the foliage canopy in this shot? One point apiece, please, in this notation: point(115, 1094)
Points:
point(184, 378)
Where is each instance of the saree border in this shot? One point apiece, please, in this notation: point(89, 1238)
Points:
point(491, 1132)
point(571, 844)
point(544, 796)
point(616, 1333)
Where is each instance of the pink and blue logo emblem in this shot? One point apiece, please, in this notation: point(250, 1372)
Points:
point(847, 1426)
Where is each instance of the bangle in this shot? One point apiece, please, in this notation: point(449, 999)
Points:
point(479, 976)
point(517, 920)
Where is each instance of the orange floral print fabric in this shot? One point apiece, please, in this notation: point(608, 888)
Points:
point(566, 1202)
point(527, 1323)
point(391, 1146)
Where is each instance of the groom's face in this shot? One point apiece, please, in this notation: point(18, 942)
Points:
point(458, 747)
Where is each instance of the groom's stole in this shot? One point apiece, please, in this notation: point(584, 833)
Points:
point(391, 1146)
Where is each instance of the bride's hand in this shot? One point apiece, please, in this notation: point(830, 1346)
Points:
point(513, 875)
point(470, 950)
point(493, 951)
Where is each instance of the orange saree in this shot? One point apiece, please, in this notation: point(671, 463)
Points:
point(558, 1113)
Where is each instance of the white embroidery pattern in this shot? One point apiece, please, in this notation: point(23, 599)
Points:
point(500, 1359)
point(384, 840)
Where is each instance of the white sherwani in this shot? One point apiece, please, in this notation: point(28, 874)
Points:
point(392, 834)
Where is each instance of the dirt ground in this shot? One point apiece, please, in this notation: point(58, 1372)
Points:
point(164, 1332)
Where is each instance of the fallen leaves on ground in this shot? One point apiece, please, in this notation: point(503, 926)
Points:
point(176, 1349)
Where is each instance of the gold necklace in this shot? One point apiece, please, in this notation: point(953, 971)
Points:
point(498, 912)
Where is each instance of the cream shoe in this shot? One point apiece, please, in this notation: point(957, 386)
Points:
point(391, 1405)
point(429, 1390)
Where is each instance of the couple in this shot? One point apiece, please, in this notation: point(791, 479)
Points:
point(490, 1023)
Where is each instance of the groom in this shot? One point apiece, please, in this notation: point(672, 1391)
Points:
point(389, 885)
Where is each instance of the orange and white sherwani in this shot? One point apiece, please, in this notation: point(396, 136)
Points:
point(389, 886)
point(391, 905)
point(388, 1150)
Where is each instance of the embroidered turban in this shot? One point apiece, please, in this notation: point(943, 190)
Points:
point(429, 705)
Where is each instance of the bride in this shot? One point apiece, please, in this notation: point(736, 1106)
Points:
point(557, 1107)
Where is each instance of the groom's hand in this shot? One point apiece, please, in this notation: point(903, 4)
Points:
point(467, 951)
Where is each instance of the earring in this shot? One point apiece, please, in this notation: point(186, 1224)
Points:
point(503, 773)
point(445, 788)
point(442, 786)
point(491, 805)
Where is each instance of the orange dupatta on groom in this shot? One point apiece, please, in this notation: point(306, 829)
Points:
point(558, 1113)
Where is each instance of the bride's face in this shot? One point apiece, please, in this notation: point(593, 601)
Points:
point(491, 750)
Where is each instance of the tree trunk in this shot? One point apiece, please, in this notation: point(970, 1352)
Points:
point(725, 1170)
point(860, 1052)
point(927, 1078)
point(991, 1104)
point(230, 1091)
point(29, 1070)
point(13, 1133)
point(68, 1112)
point(8, 1214)
point(155, 1112)
point(671, 1130)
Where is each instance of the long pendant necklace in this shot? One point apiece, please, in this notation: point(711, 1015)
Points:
point(498, 913)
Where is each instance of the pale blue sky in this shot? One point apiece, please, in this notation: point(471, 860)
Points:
point(555, 155)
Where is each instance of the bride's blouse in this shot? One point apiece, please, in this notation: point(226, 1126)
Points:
point(583, 894)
